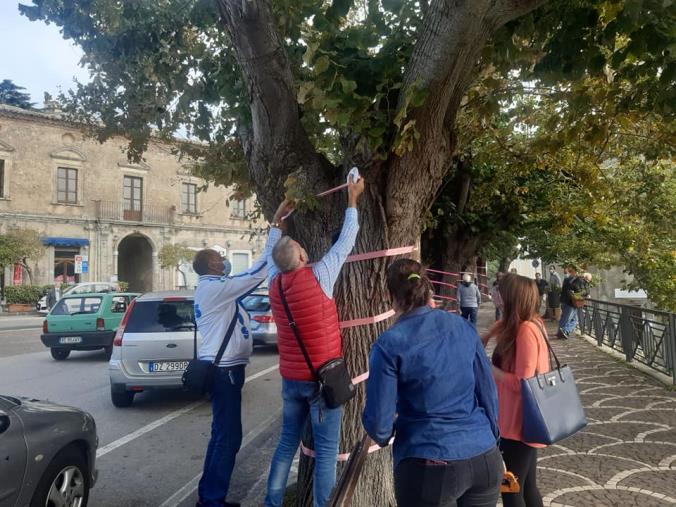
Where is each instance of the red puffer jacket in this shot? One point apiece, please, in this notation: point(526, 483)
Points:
point(316, 319)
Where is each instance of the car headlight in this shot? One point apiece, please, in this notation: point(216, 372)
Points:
point(88, 423)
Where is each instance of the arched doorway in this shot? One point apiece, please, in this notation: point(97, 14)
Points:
point(135, 263)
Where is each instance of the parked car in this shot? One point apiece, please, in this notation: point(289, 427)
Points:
point(84, 322)
point(80, 288)
point(263, 327)
point(153, 345)
point(48, 454)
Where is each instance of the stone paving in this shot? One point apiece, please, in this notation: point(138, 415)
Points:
point(627, 453)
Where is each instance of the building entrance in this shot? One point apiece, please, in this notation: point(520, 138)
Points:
point(135, 263)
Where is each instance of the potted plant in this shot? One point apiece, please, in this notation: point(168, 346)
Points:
point(22, 298)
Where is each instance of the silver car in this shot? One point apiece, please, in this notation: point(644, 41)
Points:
point(152, 345)
point(47, 454)
point(263, 327)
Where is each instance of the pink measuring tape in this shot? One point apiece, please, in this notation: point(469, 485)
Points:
point(344, 456)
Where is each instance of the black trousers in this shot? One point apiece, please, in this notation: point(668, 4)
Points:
point(473, 482)
point(521, 460)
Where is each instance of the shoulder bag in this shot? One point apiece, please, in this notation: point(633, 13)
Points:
point(335, 383)
point(199, 375)
point(552, 409)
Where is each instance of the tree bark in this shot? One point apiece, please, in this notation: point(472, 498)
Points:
point(399, 190)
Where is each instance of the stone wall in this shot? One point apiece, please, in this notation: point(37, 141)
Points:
point(34, 145)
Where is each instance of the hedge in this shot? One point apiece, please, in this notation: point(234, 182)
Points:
point(23, 294)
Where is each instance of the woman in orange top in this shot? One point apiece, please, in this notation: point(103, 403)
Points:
point(520, 352)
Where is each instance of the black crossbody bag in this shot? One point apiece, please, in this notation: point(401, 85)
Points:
point(199, 375)
point(335, 383)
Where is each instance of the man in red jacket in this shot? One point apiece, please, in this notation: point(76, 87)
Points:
point(309, 294)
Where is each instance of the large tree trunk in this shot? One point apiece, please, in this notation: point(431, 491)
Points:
point(399, 190)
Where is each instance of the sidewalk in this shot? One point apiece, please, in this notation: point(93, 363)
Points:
point(627, 453)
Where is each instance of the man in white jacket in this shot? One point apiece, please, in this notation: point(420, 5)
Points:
point(216, 305)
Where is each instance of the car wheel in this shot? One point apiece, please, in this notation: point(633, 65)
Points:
point(121, 399)
point(59, 354)
point(109, 352)
point(65, 482)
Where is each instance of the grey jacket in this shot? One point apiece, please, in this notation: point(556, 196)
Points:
point(468, 296)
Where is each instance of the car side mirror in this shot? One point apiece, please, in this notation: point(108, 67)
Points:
point(4, 422)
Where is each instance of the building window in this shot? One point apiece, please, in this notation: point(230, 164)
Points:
point(133, 198)
point(240, 261)
point(239, 209)
point(189, 198)
point(2, 179)
point(66, 185)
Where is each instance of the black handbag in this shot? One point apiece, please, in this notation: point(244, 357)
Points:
point(335, 383)
point(199, 375)
point(551, 405)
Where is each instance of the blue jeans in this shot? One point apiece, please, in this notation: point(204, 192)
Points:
point(226, 436)
point(301, 400)
point(568, 321)
point(469, 313)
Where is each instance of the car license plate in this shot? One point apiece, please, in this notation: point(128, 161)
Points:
point(70, 339)
point(160, 366)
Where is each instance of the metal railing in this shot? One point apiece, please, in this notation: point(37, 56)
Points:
point(149, 213)
point(642, 335)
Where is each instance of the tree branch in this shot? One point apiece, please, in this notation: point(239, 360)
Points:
point(276, 143)
point(442, 63)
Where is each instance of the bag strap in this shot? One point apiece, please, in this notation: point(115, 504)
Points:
point(226, 338)
point(292, 325)
point(549, 346)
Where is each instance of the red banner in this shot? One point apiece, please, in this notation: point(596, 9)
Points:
point(18, 275)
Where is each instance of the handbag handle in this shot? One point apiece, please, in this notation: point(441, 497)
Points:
point(549, 346)
point(296, 333)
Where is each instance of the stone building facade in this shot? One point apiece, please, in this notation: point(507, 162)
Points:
point(86, 199)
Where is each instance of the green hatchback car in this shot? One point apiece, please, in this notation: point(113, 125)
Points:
point(84, 322)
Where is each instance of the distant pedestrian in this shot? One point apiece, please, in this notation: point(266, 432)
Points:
point(430, 385)
point(574, 287)
point(520, 353)
point(542, 286)
point(495, 295)
point(469, 298)
point(52, 297)
point(554, 279)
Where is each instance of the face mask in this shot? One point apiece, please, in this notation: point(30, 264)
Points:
point(227, 267)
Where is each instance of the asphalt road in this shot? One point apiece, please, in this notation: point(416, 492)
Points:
point(151, 453)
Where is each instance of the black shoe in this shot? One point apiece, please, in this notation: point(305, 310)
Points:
point(561, 335)
point(231, 504)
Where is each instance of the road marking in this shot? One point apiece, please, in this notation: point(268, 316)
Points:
point(20, 329)
point(187, 490)
point(169, 417)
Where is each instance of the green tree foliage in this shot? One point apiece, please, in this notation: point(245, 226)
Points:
point(173, 256)
point(287, 95)
point(18, 246)
point(12, 95)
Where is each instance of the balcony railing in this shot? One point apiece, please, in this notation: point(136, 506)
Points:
point(642, 335)
point(111, 210)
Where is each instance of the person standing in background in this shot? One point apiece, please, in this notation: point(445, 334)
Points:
point(495, 295)
point(542, 286)
point(469, 298)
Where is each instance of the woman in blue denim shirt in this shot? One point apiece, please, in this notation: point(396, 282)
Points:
point(431, 387)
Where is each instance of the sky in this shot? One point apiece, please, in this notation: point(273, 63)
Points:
point(34, 55)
